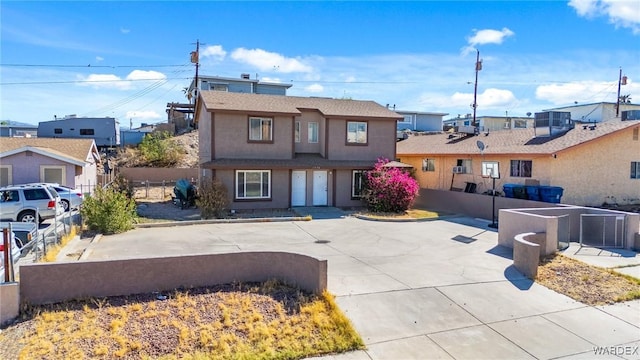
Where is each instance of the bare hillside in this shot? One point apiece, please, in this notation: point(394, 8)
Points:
point(130, 157)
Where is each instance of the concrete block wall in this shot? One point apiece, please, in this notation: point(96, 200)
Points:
point(55, 282)
point(9, 302)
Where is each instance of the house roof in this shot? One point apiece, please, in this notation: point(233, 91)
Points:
point(515, 141)
point(221, 101)
point(72, 150)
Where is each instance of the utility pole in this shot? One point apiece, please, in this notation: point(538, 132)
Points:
point(195, 59)
point(475, 87)
point(622, 80)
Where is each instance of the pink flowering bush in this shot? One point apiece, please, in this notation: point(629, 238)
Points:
point(389, 189)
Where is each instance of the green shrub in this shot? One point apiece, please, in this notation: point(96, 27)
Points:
point(160, 150)
point(109, 211)
point(121, 184)
point(212, 199)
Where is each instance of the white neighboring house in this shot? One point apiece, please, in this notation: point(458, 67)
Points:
point(597, 112)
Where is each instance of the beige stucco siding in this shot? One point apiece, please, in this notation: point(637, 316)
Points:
point(381, 141)
point(590, 174)
point(231, 136)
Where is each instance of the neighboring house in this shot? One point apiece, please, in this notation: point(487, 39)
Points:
point(282, 151)
point(69, 162)
point(244, 84)
point(134, 137)
point(598, 112)
point(104, 131)
point(420, 121)
point(491, 123)
point(10, 128)
point(594, 164)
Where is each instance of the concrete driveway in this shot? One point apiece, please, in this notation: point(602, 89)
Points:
point(419, 290)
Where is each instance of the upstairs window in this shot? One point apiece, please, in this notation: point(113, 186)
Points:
point(356, 132)
point(57, 131)
point(260, 129)
point(521, 168)
point(313, 132)
point(87, 132)
point(297, 132)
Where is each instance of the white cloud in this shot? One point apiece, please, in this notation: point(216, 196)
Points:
point(621, 13)
point(314, 88)
point(116, 82)
point(270, 61)
point(489, 98)
point(146, 75)
point(216, 52)
point(99, 58)
point(125, 31)
point(579, 91)
point(486, 36)
point(143, 115)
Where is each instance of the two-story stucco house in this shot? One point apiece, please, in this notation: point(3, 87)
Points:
point(275, 151)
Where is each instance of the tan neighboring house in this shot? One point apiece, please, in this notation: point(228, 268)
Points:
point(69, 162)
point(594, 164)
point(275, 151)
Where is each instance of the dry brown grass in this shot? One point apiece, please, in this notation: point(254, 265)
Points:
point(409, 214)
point(586, 283)
point(236, 321)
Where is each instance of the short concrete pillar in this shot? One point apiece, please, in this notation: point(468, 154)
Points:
point(526, 255)
point(9, 302)
point(636, 242)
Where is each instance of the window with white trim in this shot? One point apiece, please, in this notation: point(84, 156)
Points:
point(313, 132)
point(428, 165)
point(356, 132)
point(260, 129)
point(52, 174)
point(253, 184)
point(6, 174)
point(635, 169)
point(521, 168)
point(357, 183)
point(297, 132)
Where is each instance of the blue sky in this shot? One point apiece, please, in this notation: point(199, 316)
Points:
point(129, 59)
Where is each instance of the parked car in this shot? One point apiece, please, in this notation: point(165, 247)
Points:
point(71, 198)
point(25, 203)
point(15, 253)
point(25, 232)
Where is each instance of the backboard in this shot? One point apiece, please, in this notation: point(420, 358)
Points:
point(491, 169)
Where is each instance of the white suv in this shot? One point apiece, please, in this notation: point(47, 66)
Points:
point(26, 202)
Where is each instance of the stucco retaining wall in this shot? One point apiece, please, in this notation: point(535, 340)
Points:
point(9, 301)
point(527, 249)
point(54, 282)
point(470, 204)
point(158, 174)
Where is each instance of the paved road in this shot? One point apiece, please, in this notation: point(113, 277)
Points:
point(423, 290)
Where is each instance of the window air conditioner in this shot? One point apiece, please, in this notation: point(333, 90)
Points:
point(458, 169)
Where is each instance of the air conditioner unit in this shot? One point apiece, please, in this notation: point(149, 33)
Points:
point(458, 169)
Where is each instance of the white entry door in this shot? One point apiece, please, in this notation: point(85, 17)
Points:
point(319, 188)
point(298, 188)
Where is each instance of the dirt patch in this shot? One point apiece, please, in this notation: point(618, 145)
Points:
point(585, 283)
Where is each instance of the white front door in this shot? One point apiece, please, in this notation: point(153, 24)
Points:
point(319, 188)
point(298, 188)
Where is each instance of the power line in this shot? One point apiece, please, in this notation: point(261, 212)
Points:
point(87, 81)
point(92, 66)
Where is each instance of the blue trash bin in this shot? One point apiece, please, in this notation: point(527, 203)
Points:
point(551, 194)
point(533, 192)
